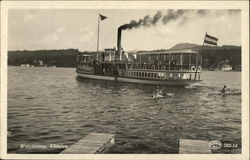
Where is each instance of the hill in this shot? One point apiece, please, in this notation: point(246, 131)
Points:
point(184, 46)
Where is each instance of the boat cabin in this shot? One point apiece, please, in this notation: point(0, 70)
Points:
point(184, 64)
point(184, 59)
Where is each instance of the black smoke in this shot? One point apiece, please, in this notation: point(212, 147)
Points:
point(148, 21)
point(170, 15)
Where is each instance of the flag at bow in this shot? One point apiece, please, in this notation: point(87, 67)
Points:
point(210, 40)
point(102, 17)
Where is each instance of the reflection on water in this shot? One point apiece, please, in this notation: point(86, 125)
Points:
point(52, 106)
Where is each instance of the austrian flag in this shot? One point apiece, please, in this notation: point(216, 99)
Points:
point(210, 40)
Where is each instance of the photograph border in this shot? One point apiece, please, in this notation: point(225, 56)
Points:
point(243, 5)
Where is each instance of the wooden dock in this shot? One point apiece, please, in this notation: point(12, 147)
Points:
point(187, 146)
point(93, 143)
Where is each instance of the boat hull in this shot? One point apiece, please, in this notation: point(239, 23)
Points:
point(139, 81)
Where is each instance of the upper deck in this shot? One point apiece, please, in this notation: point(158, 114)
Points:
point(179, 60)
point(187, 60)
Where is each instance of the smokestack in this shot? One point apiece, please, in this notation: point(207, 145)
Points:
point(119, 37)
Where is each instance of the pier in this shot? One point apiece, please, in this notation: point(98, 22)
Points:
point(188, 146)
point(93, 143)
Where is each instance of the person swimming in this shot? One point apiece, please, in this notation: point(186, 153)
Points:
point(158, 93)
point(223, 91)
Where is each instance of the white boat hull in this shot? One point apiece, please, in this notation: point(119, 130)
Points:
point(140, 81)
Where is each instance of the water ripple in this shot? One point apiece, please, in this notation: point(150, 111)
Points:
point(56, 108)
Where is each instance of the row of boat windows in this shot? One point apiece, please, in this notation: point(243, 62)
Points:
point(109, 66)
point(159, 75)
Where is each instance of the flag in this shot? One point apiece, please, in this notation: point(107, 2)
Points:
point(210, 40)
point(102, 17)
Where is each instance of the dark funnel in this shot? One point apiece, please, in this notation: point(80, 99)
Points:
point(119, 37)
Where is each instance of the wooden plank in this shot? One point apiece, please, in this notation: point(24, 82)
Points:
point(194, 147)
point(91, 144)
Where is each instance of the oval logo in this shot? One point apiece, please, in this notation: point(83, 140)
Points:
point(215, 145)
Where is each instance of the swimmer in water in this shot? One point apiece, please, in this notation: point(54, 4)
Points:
point(223, 91)
point(158, 93)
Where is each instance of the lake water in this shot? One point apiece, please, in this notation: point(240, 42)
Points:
point(52, 106)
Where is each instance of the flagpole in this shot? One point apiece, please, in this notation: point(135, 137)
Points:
point(203, 46)
point(204, 39)
point(196, 65)
point(97, 47)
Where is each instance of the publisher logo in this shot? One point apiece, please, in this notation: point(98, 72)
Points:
point(215, 145)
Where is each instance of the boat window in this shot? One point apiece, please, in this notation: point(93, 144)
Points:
point(159, 75)
point(171, 75)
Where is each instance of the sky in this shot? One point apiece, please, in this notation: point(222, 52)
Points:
point(36, 29)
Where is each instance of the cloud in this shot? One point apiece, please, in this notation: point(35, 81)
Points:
point(86, 36)
point(60, 30)
point(49, 39)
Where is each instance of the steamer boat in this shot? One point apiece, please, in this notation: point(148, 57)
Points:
point(180, 67)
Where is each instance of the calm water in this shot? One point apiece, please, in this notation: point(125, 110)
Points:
point(51, 106)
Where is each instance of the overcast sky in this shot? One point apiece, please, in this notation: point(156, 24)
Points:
point(66, 28)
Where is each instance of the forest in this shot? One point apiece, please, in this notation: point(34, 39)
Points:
point(212, 57)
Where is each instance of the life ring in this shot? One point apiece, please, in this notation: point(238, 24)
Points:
point(193, 68)
point(199, 68)
point(163, 68)
point(88, 61)
point(153, 67)
point(144, 67)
